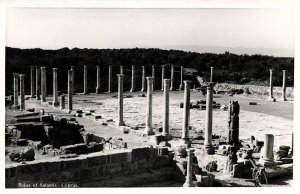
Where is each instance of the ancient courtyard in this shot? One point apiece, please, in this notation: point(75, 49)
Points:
point(160, 133)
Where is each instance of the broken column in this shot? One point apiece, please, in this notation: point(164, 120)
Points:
point(162, 77)
point(62, 102)
point(38, 82)
point(271, 98)
point(211, 73)
point(267, 156)
point(283, 97)
point(186, 113)
point(16, 89)
point(148, 128)
point(172, 78)
point(233, 123)
point(122, 69)
point(208, 124)
point(166, 107)
point(85, 86)
point(181, 78)
point(55, 94)
point(143, 79)
point(132, 79)
point(22, 92)
point(109, 78)
point(32, 75)
point(98, 80)
point(189, 169)
point(73, 83)
point(43, 84)
point(120, 121)
point(153, 75)
point(70, 92)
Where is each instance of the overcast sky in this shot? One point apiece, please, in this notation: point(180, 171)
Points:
point(262, 31)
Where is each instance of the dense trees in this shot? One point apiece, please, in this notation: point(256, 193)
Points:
point(228, 67)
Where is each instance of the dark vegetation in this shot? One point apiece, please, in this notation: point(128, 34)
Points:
point(228, 67)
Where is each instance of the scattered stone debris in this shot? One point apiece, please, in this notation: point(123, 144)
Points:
point(252, 103)
point(26, 154)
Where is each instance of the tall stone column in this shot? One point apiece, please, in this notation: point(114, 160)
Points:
point(172, 78)
point(148, 128)
point(186, 113)
point(38, 82)
point(181, 78)
point(143, 79)
point(32, 75)
point(85, 82)
point(267, 156)
point(283, 97)
point(55, 93)
point(62, 102)
point(120, 98)
point(189, 169)
point(98, 80)
point(133, 79)
point(271, 98)
point(22, 92)
point(211, 74)
point(166, 107)
point(73, 83)
point(209, 119)
point(233, 123)
point(70, 92)
point(43, 84)
point(153, 75)
point(162, 77)
point(122, 69)
point(109, 78)
point(16, 89)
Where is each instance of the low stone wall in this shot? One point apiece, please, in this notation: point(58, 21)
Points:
point(261, 90)
point(95, 167)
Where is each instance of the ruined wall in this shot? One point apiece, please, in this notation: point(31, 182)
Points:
point(261, 90)
point(99, 166)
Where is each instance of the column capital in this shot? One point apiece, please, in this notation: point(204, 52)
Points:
point(43, 68)
point(16, 75)
point(270, 70)
point(284, 70)
point(21, 75)
point(32, 67)
point(186, 82)
point(120, 75)
point(167, 81)
point(55, 69)
point(150, 78)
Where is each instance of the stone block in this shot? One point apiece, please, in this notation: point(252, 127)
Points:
point(140, 153)
point(81, 148)
point(68, 149)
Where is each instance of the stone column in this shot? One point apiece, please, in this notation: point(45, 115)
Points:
point(181, 78)
point(16, 89)
point(271, 98)
point(148, 129)
point(73, 83)
point(143, 79)
point(267, 156)
point(70, 92)
point(22, 92)
point(98, 80)
point(153, 75)
point(172, 78)
point(162, 77)
point(55, 94)
point(211, 73)
point(122, 69)
point(133, 79)
point(43, 84)
point(109, 78)
point(189, 170)
point(32, 75)
point(186, 113)
point(166, 107)
point(120, 98)
point(85, 82)
point(233, 123)
point(62, 102)
point(209, 119)
point(283, 97)
point(38, 82)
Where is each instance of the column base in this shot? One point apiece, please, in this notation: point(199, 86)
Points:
point(283, 99)
point(32, 96)
point(148, 131)
point(98, 91)
point(271, 99)
point(186, 142)
point(84, 93)
point(132, 90)
point(172, 89)
point(120, 123)
point(266, 162)
point(209, 150)
point(38, 98)
point(142, 90)
point(55, 104)
point(181, 87)
point(189, 184)
point(109, 91)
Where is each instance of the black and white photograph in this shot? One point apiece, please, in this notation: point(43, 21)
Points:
point(148, 96)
